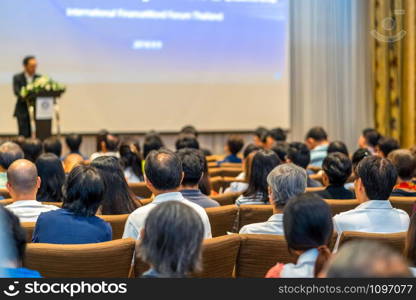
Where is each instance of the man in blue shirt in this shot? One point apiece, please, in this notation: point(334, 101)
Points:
point(317, 141)
point(234, 145)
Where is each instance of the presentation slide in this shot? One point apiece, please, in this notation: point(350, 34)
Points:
point(136, 65)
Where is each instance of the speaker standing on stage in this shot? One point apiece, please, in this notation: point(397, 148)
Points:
point(20, 80)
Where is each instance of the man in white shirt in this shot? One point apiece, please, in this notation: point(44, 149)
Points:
point(23, 184)
point(109, 147)
point(376, 179)
point(163, 176)
point(285, 182)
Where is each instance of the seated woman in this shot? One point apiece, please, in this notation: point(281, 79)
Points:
point(405, 164)
point(131, 160)
point(52, 176)
point(172, 241)
point(118, 199)
point(308, 228)
point(337, 168)
point(262, 163)
point(76, 222)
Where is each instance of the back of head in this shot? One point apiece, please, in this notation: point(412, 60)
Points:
point(9, 152)
point(189, 130)
point(371, 136)
point(299, 154)
point(235, 143)
point(186, 141)
point(337, 167)
point(338, 146)
point(317, 133)
point(112, 142)
point(278, 134)
point(163, 169)
point(17, 234)
point(131, 157)
point(73, 141)
point(152, 141)
point(193, 166)
point(281, 149)
point(83, 191)
point(367, 259)
point(52, 175)
point(32, 148)
point(286, 181)
point(260, 135)
point(250, 148)
point(101, 139)
point(22, 176)
point(172, 239)
point(359, 155)
point(404, 162)
point(386, 145)
point(307, 222)
point(53, 145)
point(378, 176)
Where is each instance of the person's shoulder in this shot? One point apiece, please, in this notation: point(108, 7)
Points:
point(50, 207)
point(141, 212)
point(197, 207)
point(254, 228)
point(18, 75)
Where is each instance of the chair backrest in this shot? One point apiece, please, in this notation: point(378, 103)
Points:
point(140, 189)
point(117, 223)
point(258, 253)
point(57, 204)
point(231, 172)
point(105, 260)
point(394, 240)
point(315, 189)
point(339, 206)
point(4, 193)
point(405, 203)
point(226, 199)
point(29, 227)
point(217, 184)
point(215, 172)
point(232, 165)
point(249, 214)
point(222, 219)
point(5, 202)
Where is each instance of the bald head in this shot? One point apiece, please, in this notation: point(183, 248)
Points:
point(22, 177)
point(9, 152)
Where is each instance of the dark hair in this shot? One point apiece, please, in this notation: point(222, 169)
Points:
point(152, 141)
point(387, 145)
point(205, 183)
point(53, 145)
point(358, 156)
point(371, 136)
point(52, 175)
point(163, 169)
point(261, 133)
point(118, 199)
point(132, 158)
point(410, 249)
point(317, 133)
point(112, 142)
point(404, 162)
point(83, 191)
point(9, 152)
point(378, 176)
point(190, 130)
point(235, 143)
point(338, 146)
point(32, 148)
point(250, 148)
point(299, 154)
point(307, 222)
point(264, 161)
point(192, 164)
point(186, 141)
point(16, 233)
point(337, 167)
point(73, 141)
point(281, 148)
point(101, 138)
point(172, 240)
point(19, 140)
point(26, 59)
point(278, 134)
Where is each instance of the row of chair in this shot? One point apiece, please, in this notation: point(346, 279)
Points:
point(241, 256)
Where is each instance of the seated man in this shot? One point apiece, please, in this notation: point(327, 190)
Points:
point(23, 184)
point(234, 145)
point(405, 163)
point(385, 146)
point(53, 145)
point(193, 169)
point(317, 142)
point(337, 169)
point(163, 176)
point(109, 147)
point(285, 182)
point(9, 152)
point(376, 178)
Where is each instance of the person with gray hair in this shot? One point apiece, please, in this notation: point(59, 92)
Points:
point(285, 182)
point(172, 241)
point(23, 183)
point(9, 152)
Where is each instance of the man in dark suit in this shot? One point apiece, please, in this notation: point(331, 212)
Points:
point(20, 80)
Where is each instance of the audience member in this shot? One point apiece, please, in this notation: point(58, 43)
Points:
point(193, 169)
point(369, 140)
point(260, 137)
point(172, 241)
point(109, 147)
point(234, 145)
point(163, 176)
point(73, 142)
point(9, 153)
point(52, 145)
point(285, 182)
point(191, 130)
point(152, 141)
point(405, 163)
point(376, 178)
point(186, 141)
point(337, 168)
point(71, 161)
point(32, 148)
point(308, 231)
point(118, 199)
point(52, 178)
point(338, 146)
point(280, 148)
point(262, 163)
point(385, 146)
point(274, 136)
point(23, 184)
point(101, 136)
point(205, 182)
point(358, 156)
point(131, 161)
point(76, 222)
point(317, 141)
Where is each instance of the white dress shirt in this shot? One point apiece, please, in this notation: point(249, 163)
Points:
point(99, 154)
point(29, 210)
point(29, 79)
point(304, 267)
point(274, 225)
point(136, 220)
point(375, 216)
